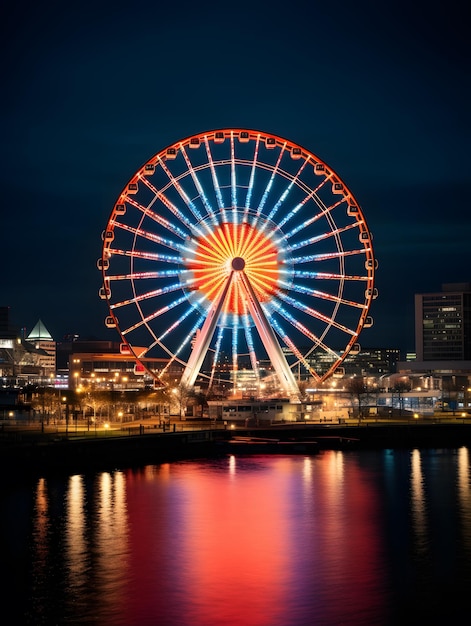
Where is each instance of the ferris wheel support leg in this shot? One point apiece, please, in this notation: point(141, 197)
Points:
point(270, 342)
point(203, 337)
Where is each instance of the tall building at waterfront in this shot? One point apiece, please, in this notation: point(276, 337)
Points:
point(7, 331)
point(443, 324)
point(8, 339)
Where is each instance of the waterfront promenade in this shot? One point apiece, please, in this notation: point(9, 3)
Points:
point(42, 448)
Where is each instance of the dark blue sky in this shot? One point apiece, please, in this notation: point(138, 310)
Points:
point(380, 91)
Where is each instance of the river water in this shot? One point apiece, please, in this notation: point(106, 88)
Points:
point(357, 537)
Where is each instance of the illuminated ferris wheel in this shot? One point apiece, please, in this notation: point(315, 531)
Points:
point(235, 248)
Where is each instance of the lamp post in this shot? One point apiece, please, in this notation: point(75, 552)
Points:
point(64, 399)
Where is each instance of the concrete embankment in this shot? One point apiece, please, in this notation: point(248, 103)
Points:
point(61, 454)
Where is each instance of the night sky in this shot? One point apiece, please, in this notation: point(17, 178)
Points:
point(378, 90)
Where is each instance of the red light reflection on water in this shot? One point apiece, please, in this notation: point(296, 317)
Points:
point(224, 557)
point(338, 557)
point(239, 557)
point(250, 543)
point(336, 538)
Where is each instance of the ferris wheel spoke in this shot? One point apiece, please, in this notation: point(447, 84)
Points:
point(173, 357)
point(196, 280)
point(217, 246)
point(327, 256)
point(291, 345)
point(186, 341)
point(145, 320)
point(313, 240)
point(318, 343)
point(259, 249)
point(323, 295)
point(235, 349)
point(199, 187)
point(310, 196)
point(251, 347)
point(248, 198)
point(181, 192)
point(148, 296)
point(330, 321)
point(316, 340)
point(211, 288)
point(217, 348)
point(326, 210)
point(134, 276)
point(157, 239)
point(264, 286)
point(284, 195)
point(159, 219)
point(148, 256)
point(324, 213)
point(328, 276)
point(269, 186)
point(215, 180)
point(227, 239)
point(177, 323)
point(233, 181)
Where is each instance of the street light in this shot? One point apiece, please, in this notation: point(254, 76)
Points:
point(64, 400)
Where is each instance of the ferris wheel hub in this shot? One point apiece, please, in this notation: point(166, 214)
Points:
point(238, 263)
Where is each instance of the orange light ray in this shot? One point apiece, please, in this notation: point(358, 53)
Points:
point(212, 257)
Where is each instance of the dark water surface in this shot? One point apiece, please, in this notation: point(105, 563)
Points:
point(358, 537)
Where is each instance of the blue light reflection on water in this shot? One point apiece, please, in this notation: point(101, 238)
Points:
point(378, 537)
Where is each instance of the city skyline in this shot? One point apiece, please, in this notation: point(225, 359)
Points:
point(380, 94)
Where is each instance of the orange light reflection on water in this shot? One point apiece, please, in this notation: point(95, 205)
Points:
point(258, 541)
point(249, 540)
point(237, 547)
point(224, 559)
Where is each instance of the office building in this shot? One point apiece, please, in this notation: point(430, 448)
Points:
point(443, 324)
